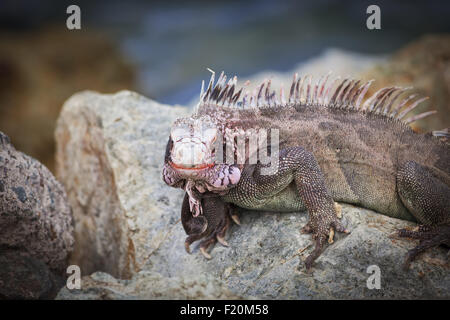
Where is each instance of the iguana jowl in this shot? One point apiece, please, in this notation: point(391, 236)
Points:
point(333, 146)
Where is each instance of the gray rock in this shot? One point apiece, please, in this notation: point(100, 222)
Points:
point(110, 155)
point(148, 285)
point(114, 186)
point(36, 227)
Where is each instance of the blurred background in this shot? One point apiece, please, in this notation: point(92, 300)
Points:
point(162, 49)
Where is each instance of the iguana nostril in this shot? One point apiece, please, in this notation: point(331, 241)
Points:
point(199, 157)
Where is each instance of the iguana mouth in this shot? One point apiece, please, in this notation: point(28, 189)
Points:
point(216, 178)
point(212, 177)
point(191, 167)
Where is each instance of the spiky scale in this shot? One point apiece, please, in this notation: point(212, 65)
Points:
point(411, 107)
point(347, 95)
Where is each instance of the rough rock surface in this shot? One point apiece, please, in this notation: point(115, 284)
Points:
point(119, 220)
point(148, 285)
point(36, 231)
point(110, 151)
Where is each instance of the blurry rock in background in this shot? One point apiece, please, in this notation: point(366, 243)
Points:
point(41, 69)
point(425, 65)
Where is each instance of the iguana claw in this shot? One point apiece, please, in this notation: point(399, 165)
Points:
point(205, 253)
point(222, 241)
point(331, 236)
point(235, 218)
point(338, 208)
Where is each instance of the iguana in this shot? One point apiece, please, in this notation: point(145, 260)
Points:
point(333, 145)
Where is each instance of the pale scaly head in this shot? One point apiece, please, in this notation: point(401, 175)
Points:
point(193, 145)
point(191, 163)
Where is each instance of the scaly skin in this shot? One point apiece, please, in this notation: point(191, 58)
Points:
point(332, 148)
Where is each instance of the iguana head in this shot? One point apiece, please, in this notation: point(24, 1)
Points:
point(191, 163)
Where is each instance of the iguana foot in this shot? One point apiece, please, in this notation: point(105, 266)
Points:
point(217, 235)
point(211, 226)
point(429, 236)
point(322, 229)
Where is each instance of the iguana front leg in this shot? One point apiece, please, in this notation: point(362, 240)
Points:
point(299, 165)
point(209, 227)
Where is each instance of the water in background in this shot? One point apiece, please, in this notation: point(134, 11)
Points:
point(172, 44)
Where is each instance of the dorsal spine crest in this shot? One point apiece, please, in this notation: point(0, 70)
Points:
point(348, 94)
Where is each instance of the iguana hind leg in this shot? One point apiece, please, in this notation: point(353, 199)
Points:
point(426, 194)
point(429, 236)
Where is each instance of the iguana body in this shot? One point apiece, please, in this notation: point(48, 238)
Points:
point(331, 148)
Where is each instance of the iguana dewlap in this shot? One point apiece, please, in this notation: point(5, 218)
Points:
point(321, 144)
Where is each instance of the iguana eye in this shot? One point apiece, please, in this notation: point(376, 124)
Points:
point(178, 133)
point(210, 135)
